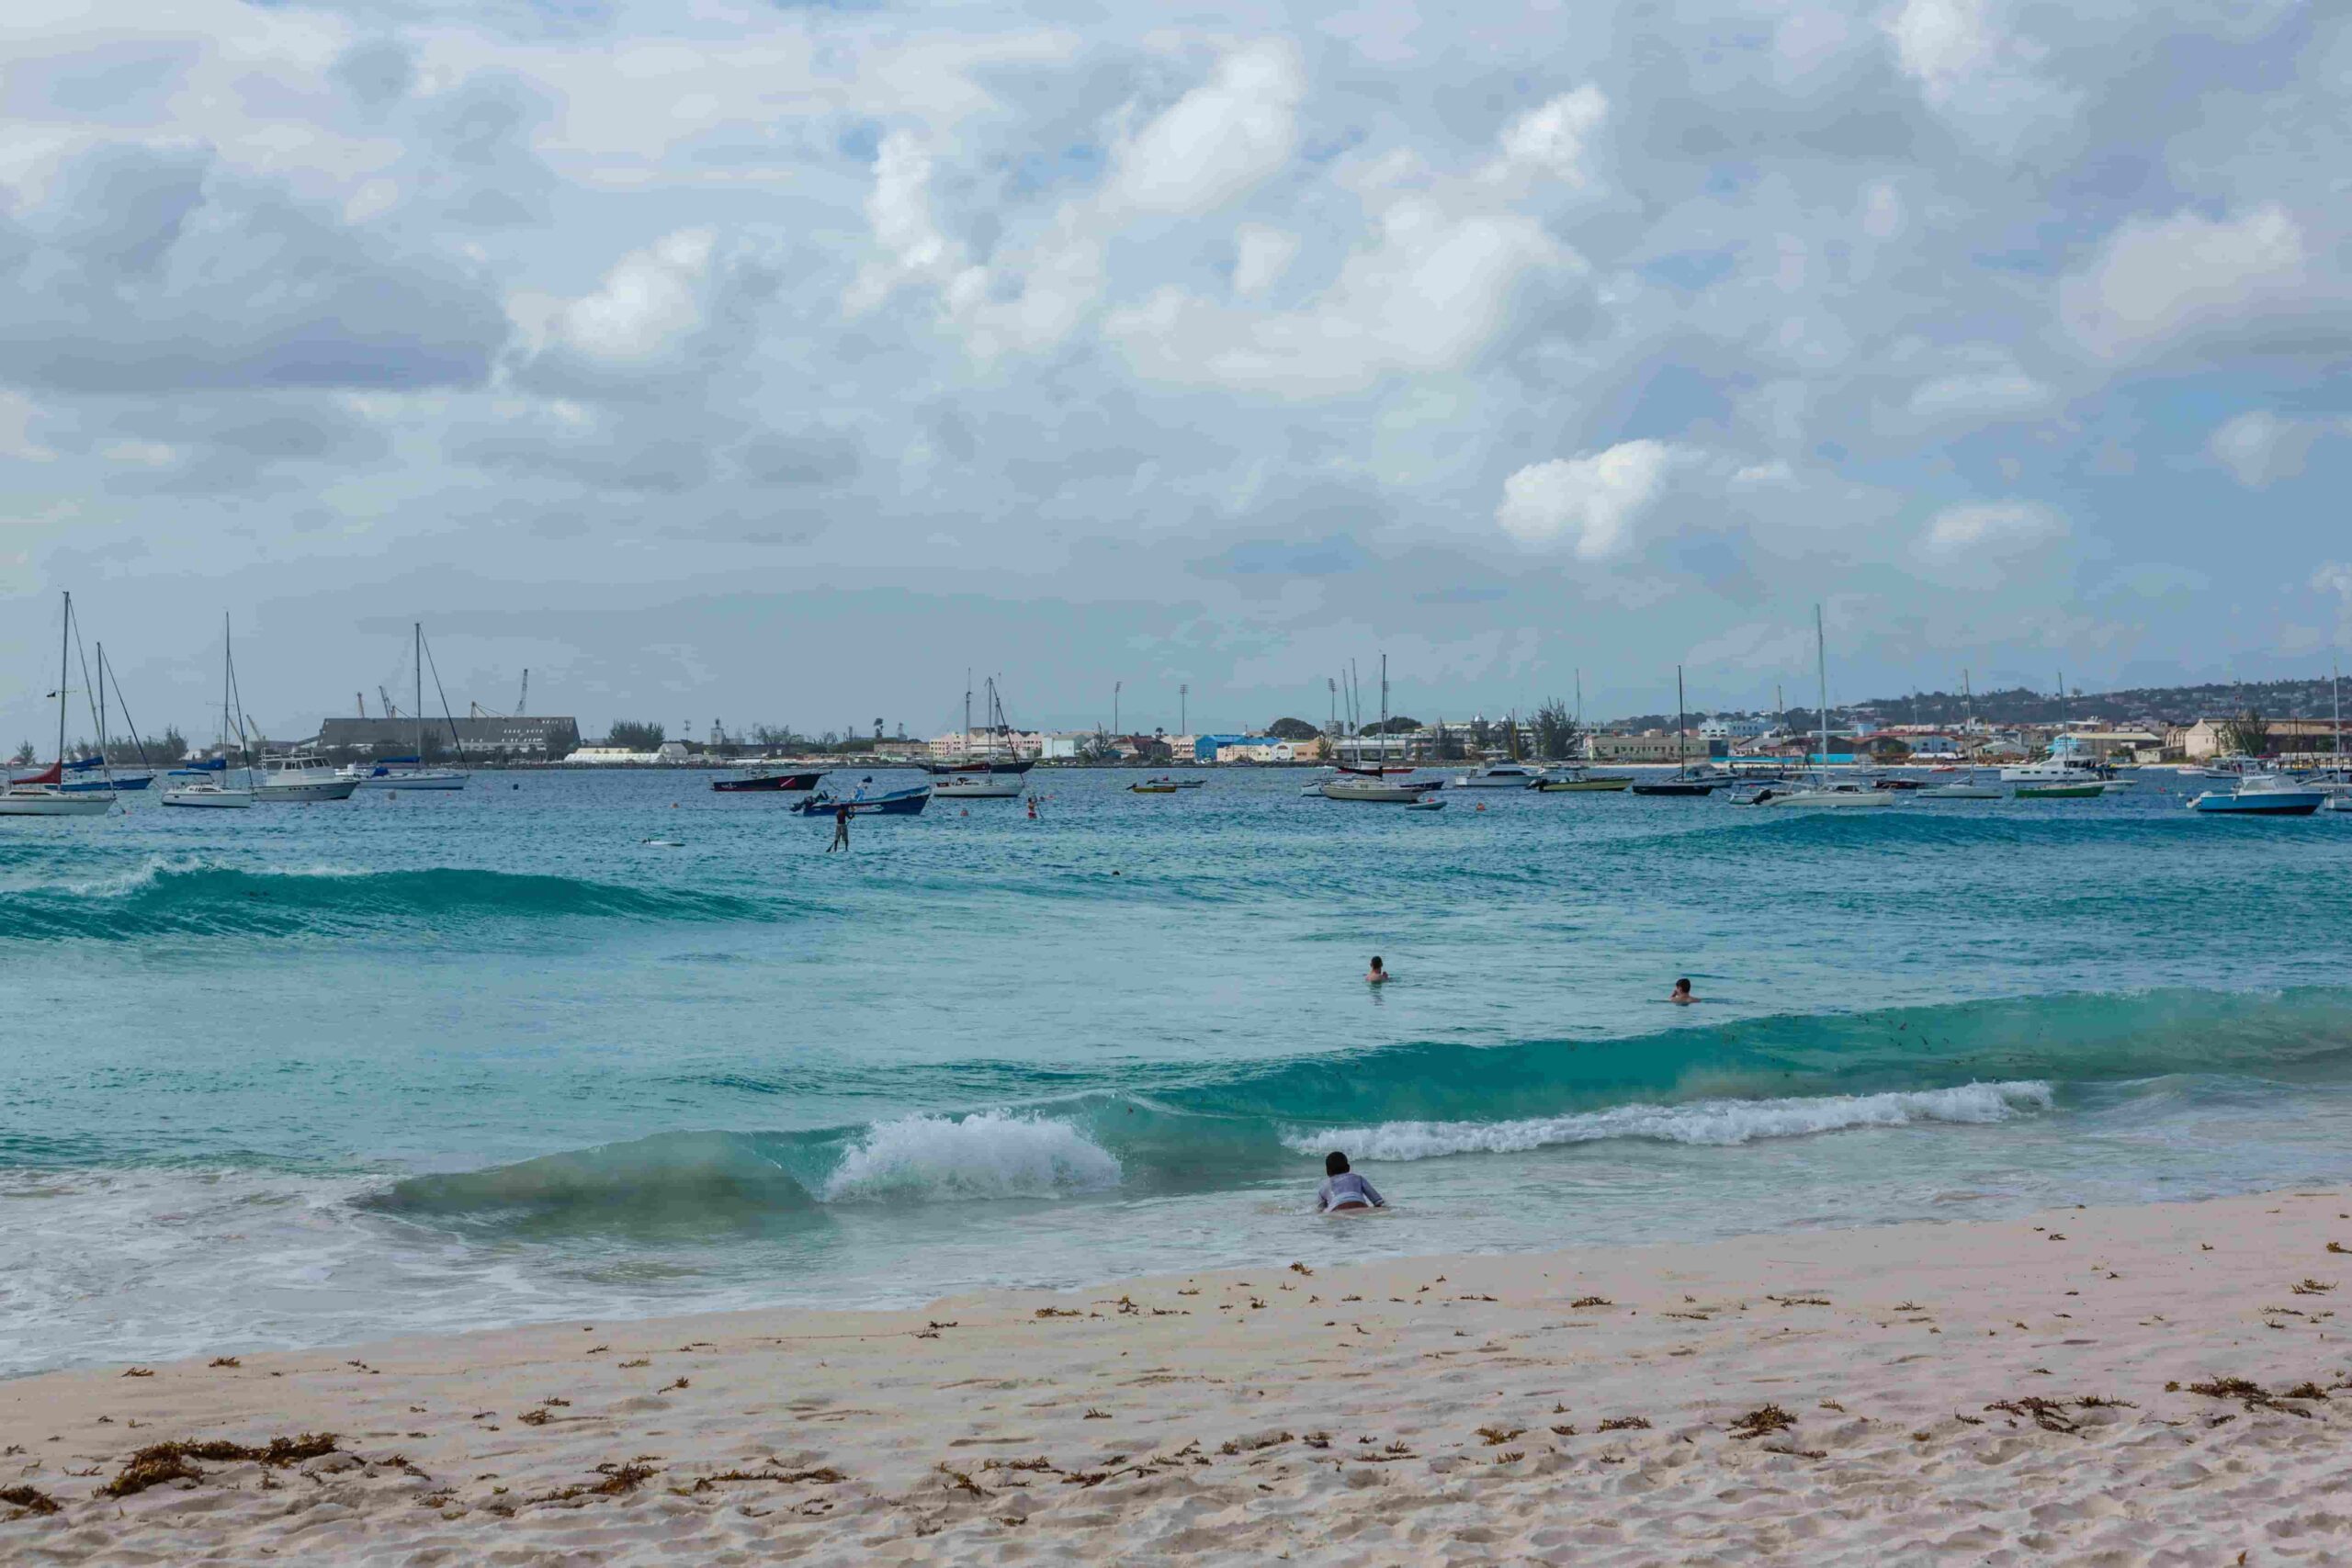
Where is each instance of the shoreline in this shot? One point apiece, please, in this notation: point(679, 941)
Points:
point(1988, 1389)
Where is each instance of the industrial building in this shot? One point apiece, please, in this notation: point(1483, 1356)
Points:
point(536, 738)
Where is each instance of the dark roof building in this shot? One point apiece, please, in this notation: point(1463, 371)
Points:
point(476, 736)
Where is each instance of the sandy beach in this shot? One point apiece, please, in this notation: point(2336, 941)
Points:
point(2130, 1386)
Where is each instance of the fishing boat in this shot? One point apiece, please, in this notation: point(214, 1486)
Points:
point(1822, 794)
point(1684, 784)
point(2076, 790)
point(1572, 781)
point(1431, 803)
point(301, 778)
point(2263, 794)
point(907, 801)
point(43, 793)
point(1152, 786)
point(758, 783)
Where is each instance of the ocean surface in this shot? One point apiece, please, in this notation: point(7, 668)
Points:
point(307, 1074)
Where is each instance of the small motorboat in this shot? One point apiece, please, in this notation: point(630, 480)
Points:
point(2090, 791)
point(1431, 803)
point(891, 803)
point(1576, 781)
point(2263, 794)
point(1153, 786)
point(1680, 787)
point(767, 783)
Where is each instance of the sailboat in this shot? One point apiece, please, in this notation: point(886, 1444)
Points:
point(44, 794)
point(103, 761)
point(1374, 786)
point(1821, 793)
point(208, 786)
point(410, 772)
point(995, 774)
point(1967, 789)
point(1684, 782)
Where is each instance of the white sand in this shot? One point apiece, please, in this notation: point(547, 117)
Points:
point(1442, 1410)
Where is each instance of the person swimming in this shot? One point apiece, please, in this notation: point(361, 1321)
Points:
point(1343, 1190)
point(1682, 997)
point(1377, 975)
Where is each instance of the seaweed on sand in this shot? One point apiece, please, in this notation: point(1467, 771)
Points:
point(159, 1462)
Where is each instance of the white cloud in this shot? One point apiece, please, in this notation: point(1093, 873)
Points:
point(2156, 282)
point(898, 210)
point(1980, 75)
point(1593, 502)
point(1552, 140)
point(1942, 43)
point(650, 300)
point(1983, 383)
point(1218, 141)
point(1261, 257)
point(2259, 446)
point(1991, 531)
point(1427, 296)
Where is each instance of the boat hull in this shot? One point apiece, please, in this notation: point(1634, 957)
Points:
point(1676, 788)
point(1373, 792)
point(1828, 799)
point(210, 799)
point(904, 803)
point(764, 784)
point(979, 786)
point(1581, 786)
point(303, 791)
point(118, 785)
point(2269, 802)
point(413, 781)
point(2060, 791)
point(55, 804)
point(1959, 791)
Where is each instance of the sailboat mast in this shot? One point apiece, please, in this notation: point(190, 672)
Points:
point(1682, 729)
point(1384, 714)
point(64, 641)
point(102, 702)
point(1821, 669)
point(420, 692)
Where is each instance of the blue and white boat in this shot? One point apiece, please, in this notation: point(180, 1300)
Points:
point(889, 803)
point(2263, 794)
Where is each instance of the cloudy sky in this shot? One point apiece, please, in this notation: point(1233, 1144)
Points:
point(778, 363)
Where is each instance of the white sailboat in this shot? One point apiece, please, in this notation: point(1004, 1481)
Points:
point(44, 794)
point(410, 772)
point(1375, 787)
point(205, 791)
point(1967, 789)
point(1822, 794)
point(996, 775)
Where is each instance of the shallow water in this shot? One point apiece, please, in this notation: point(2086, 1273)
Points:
point(310, 1073)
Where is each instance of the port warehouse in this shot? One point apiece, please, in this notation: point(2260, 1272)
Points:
point(541, 739)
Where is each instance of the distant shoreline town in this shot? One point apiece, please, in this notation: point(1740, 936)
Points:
point(2135, 727)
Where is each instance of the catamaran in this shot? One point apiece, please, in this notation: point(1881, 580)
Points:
point(44, 794)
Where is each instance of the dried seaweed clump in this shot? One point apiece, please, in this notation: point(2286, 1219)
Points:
point(29, 1500)
point(1762, 1421)
point(153, 1465)
point(2253, 1395)
point(1625, 1424)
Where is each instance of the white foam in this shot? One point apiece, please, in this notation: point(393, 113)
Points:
point(989, 1153)
point(1715, 1121)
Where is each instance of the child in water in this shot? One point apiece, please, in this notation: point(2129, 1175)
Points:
point(1343, 1190)
point(1376, 975)
point(1682, 997)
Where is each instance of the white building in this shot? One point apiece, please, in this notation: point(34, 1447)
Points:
point(598, 756)
point(1729, 727)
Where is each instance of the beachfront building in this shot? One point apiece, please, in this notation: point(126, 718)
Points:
point(956, 746)
point(536, 740)
point(1654, 746)
point(604, 757)
point(2208, 738)
point(2106, 745)
point(1728, 727)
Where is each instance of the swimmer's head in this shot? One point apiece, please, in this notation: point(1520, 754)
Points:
point(1335, 1164)
point(1376, 963)
point(1682, 987)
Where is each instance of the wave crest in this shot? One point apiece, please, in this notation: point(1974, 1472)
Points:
point(1704, 1122)
point(987, 1153)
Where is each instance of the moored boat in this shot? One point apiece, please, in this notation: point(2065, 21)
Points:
point(752, 784)
point(907, 802)
point(2263, 794)
point(44, 794)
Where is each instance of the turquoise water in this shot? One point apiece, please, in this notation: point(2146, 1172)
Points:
point(310, 1073)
